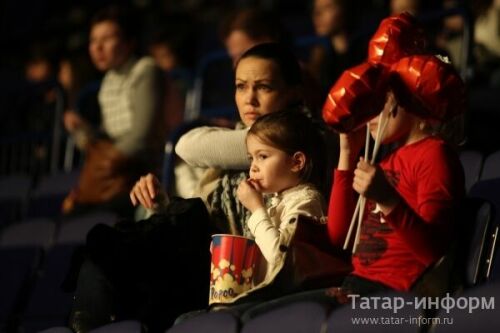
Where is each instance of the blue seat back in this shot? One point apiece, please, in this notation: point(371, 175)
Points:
point(472, 162)
point(491, 167)
point(221, 321)
point(293, 318)
point(127, 326)
point(352, 317)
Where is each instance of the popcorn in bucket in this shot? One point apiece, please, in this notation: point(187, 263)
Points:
point(232, 268)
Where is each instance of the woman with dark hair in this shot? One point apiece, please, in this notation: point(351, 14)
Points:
point(267, 79)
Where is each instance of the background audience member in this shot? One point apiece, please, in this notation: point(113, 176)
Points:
point(335, 20)
point(132, 121)
point(487, 40)
point(246, 28)
point(80, 81)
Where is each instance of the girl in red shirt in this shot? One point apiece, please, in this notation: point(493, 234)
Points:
point(412, 197)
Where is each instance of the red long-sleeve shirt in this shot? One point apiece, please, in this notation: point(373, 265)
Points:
point(429, 178)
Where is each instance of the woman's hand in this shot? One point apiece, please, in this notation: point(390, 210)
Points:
point(370, 181)
point(249, 195)
point(145, 191)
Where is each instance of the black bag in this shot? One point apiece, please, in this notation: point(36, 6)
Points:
point(158, 267)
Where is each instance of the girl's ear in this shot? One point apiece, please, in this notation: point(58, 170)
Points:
point(298, 161)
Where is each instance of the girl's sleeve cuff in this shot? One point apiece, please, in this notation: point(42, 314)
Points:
point(258, 216)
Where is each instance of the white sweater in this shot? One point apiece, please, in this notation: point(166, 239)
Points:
point(214, 147)
point(274, 227)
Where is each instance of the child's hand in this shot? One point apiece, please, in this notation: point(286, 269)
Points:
point(353, 142)
point(370, 181)
point(350, 146)
point(249, 195)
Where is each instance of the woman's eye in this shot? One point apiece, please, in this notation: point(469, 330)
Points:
point(264, 87)
point(240, 86)
point(262, 156)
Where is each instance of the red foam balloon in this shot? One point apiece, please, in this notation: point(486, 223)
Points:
point(396, 37)
point(428, 86)
point(356, 97)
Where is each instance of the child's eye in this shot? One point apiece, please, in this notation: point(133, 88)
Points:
point(262, 156)
point(240, 86)
point(250, 159)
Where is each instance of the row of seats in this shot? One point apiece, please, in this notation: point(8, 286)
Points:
point(34, 244)
point(35, 258)
point(21, 198)
point(478, 167)
point(311, 317)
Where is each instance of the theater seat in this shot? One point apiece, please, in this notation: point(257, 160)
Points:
point(14, 191)
point(491, 166)
point(48, 195)
point(49, 305)
point(36, 232)
point(17, 268)
point(300, 317)
point(489, 190)
point(58, 329)
point(221, 321)
point(352, 318)
point(482, 319)
point(472, 162)
point(127, 326)
point(74, 230)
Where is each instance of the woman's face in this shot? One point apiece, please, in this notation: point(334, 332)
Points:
point(260, 89)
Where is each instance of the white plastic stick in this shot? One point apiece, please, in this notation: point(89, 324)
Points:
point(362, 199)
point(381, 126)
point(351, 226)
point(358, 203)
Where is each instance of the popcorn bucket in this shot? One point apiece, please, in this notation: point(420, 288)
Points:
point(232, 268)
